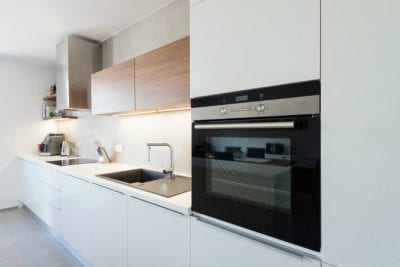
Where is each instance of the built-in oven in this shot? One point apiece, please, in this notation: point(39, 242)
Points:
point(256, 160)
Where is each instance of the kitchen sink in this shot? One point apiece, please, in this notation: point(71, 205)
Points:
point(151, 181)
point(134, 176)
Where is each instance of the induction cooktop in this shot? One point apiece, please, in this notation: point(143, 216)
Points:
point(68, 162)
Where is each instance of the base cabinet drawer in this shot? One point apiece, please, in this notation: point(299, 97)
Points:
point(214, 247)
point(157, 236)
point(50, 213)
point(41, 193)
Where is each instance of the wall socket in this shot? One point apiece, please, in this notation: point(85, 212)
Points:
point(118, 148)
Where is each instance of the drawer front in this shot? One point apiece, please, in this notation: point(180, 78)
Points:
point(50, 213)
point(49, 191)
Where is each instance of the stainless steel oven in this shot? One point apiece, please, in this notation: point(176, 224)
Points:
point(256, 160)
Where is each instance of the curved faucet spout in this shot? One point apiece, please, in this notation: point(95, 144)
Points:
point(170, 170)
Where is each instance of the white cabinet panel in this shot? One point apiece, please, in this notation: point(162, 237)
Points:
point(214, 247)
point(237, 45)
point(29, 185)
point(157, 236)
point(108, 227)
point(360, 132)
point(75, 205)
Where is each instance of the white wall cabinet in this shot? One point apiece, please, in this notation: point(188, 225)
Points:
point(157, 236)
point(237, 45)
point(214, 247)
point(108, 231)
point(76, 209)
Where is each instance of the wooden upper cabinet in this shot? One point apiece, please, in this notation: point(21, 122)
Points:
point(113, 89)
point(162, 77)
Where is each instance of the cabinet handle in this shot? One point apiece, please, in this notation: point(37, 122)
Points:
point(151, 203)
point(50, 202)
point(77, 178)
point(253, 125)
point(51, 185)
point(288, 250)
point(109, 188)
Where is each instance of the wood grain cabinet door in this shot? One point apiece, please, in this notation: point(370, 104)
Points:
point(113, 89)
point(162, 77)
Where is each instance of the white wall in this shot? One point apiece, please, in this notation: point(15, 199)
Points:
point(23, 85)
point(360, 133)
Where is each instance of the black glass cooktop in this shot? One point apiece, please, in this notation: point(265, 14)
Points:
point(68, 162)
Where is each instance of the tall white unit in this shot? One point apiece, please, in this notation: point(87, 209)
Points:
point(360, 133)
point(237, 44)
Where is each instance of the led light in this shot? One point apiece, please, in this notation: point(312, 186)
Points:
point(134, 113)
point(173, 109)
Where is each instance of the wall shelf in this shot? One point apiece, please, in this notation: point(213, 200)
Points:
point(50, 98)
point(60, 118)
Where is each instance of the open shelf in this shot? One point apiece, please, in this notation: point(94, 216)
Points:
point(60, 118)
point(50, 98)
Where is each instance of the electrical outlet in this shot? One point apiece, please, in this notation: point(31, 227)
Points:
point(118, 148)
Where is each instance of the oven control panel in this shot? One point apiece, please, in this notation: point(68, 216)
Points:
point(257, 108)
point(268, 108)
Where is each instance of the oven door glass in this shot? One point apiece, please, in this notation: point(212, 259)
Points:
point(240, 168)
point(266, 179)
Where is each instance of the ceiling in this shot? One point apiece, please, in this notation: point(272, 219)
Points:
point(30, 30)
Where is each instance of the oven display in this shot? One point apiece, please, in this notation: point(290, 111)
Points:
point(241, 98)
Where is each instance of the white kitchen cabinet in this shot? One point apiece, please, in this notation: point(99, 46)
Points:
point(237, 45)
point(157, 236)
point(108, 227)
point(41, 193)
point(50, 193)
point(214, 247)
point(360, 132)
point(29, 184)
point(75, 205)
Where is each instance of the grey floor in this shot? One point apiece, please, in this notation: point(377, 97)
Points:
point(24, 242)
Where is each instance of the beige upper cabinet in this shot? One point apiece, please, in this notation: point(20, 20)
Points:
point(113, 89)
point(162, 77)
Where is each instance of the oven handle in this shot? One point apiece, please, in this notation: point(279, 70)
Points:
point(250, 125)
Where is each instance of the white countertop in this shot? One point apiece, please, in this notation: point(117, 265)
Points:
point(180, 203)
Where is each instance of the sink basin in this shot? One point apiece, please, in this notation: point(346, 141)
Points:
point(167, 187)
point(151, 181)
point(134, 176)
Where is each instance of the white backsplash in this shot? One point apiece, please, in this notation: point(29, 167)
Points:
point(133, 132)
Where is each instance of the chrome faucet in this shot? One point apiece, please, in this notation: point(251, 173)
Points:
point(170, 170)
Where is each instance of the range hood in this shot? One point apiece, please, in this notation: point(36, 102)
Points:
point(77, 58)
